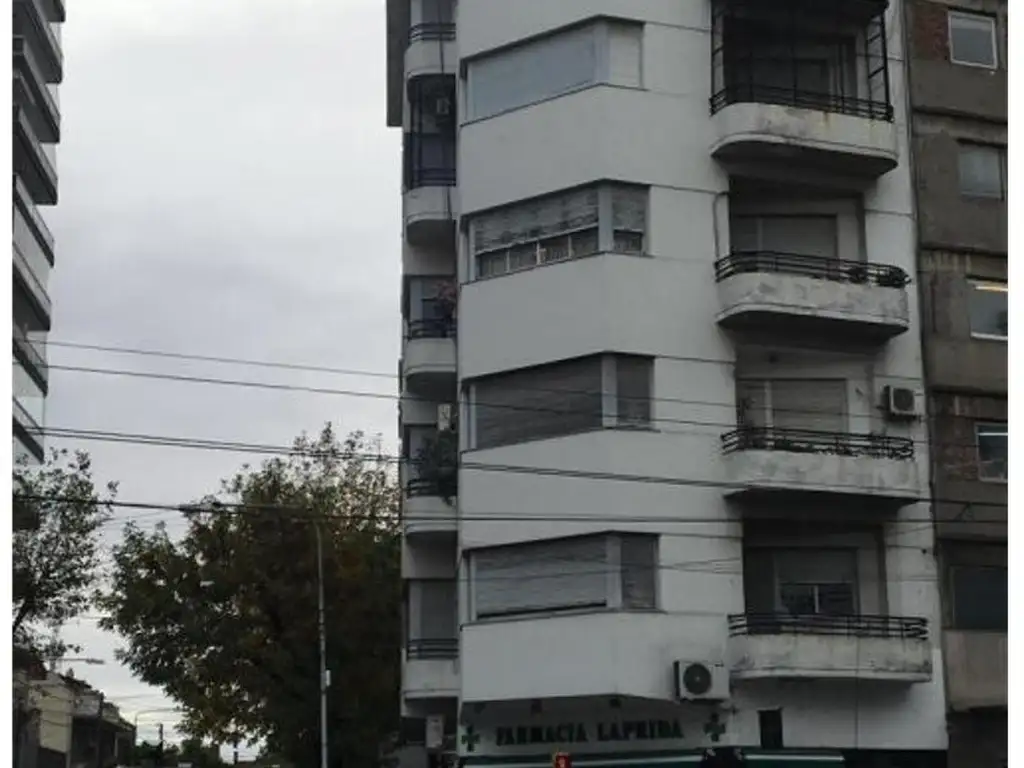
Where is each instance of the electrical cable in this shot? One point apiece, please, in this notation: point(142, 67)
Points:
point(199, 444)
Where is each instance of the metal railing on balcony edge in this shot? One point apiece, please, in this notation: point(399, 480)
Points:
point(810, 441)
point(431, 329)
point(818, 267)
point(434, 648)
point(431, 30)
point(743, 93)
point(427, 486)
point(896, 627)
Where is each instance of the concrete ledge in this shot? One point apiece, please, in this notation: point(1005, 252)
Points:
point(814, 306)
point(830, 657)
point(424, 57)
point(426, 357)
point(426, 515)
point(792, 472)
point(430, 678)
point(851, 146)
point(429, 214)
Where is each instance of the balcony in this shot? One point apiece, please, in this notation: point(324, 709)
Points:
point(429, 508)
point(768, 461)
point(430, 356)
point(811, 296)
point(815, 647)
point(431, 669)
point(32, 164)
point(429, 154)
point(34, 20)
point(431, 50)
point(30, 351)
point(30, 92)
point(976, 669)
point(802, 87)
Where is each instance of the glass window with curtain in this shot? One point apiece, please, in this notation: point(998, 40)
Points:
point(562, 398)
point(608, 571)
point(989, 310)
point(993, 450)
point(559, 227)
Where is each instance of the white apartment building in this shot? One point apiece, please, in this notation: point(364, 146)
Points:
point(685, 374)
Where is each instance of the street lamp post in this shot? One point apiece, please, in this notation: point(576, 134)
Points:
point(322, 635)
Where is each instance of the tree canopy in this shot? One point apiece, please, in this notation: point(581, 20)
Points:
point(59, 514)
point(224, 619)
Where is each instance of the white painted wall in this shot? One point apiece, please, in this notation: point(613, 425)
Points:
point(662, 305)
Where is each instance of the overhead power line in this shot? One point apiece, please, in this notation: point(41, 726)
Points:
point(216, 445)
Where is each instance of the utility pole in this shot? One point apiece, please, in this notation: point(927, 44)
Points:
point(99, 731)
point(325, 680)
point(160, 744)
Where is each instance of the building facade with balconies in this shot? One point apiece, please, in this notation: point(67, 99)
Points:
point(38, 69)
point(691, 507)
point(958, 94)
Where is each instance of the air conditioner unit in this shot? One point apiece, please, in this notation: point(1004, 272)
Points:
point(701, 680)
point(445, 417)
point(900, 403)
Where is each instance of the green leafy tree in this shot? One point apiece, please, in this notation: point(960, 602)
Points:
point(224, 619)
point(56, 549)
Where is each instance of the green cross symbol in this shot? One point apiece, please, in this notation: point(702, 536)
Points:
point(470, 738)
point(714, 727)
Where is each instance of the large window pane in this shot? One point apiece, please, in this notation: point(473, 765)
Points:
point(979, 598)
point(541, 576)
point(633, 390)
point(982, 171)
point(990, 318)
point(972, 39)
point(993, 450)
point(532, 72)
point(538, 403)
point(28, 394)
point(638, 561)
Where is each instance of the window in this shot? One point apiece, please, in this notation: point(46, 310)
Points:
point(817, 405)
point(799, 235)
point(433, 610)
point(982, 171)
point(568, 225)
point(816, 582)
point(979, 598)
point(992, 451)
point(989, 310)
point(606, 52)
point(562, 398)
point(972, 40)
point(617, 571)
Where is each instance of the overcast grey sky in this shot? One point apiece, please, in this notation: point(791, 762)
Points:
point(227, 187)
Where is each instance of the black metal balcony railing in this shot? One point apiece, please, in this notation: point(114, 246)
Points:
point(431, 30)
point(799, 98)
point(432, 329)
point(429, 486)
point(833, 270)
point(896, 627)
point(809, 441)
point(435, 648)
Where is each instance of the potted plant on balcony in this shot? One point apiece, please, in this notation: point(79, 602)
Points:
point(447, 298)
point(438, 462)
point(892, 277)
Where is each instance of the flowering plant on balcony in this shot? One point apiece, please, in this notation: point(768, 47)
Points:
point(447, 298)
point(438, 462)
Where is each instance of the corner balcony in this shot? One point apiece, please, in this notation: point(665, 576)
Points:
point(30, 92)
point(811, 296)
point(431, 669)
point(32, 163)
point(775, 646)
point(431, 50)
point(803, 87)
point(777, 462)
point(429, 358)
point(429, 509)
point(429, 206)
point(33, 20)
